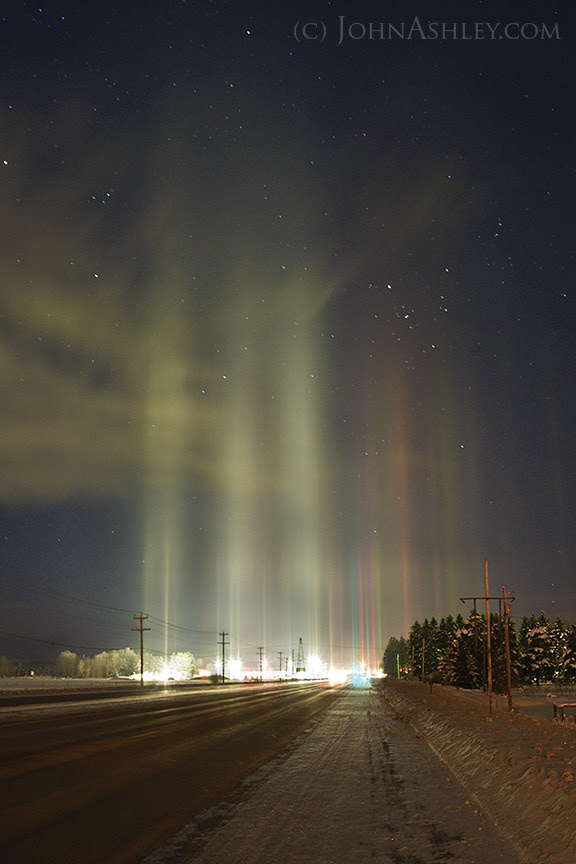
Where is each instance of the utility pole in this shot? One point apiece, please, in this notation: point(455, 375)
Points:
point(507, 644)
point(488, 659)
point(488, 652)
point(280, 654)
point(423, 652)
point(141, 618)
point(260, 650)
point(224, 643)
point(475, 629)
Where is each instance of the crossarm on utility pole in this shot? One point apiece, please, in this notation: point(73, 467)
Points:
point(223, 643)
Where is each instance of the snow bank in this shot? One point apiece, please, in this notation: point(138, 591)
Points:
point(519, 770)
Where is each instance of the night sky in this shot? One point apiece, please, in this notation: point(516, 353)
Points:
point(286, 321)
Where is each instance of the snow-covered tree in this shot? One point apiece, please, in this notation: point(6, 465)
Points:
point(558, 633)
point(431, 647)
point(66, 664)
point(459, 666)
point(416, 646)
point(125, 662)
point(537, 656)
point(7, 669)
point(396, 657)
point(182, 666)
point(153, 664)
point(569, 658)
point(446, 634)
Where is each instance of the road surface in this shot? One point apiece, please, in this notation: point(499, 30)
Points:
point(360, 788)
point(106, 782)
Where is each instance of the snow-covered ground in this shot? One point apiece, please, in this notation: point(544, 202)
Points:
point(40, 682)
point(519, 768)
point(359, 787)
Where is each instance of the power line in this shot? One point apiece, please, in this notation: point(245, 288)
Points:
point(71, 598)
point(180, 626)
point(54, 642)
point(198, 643)
point(50, 591)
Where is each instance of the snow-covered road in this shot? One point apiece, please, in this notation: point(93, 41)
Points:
point(358, 787)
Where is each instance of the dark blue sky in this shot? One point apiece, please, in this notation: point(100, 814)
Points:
point(286, 325)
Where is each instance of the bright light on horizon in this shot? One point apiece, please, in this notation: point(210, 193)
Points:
point(337, 676)
point(235, 669)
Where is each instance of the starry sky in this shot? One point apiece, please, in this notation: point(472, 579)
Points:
point(287, 319)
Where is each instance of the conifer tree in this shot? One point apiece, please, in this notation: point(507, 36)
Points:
point(415, 645)
point(569, 659)
point(459, 667)
point(536, 649)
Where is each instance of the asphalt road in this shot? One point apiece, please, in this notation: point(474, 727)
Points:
point(108, 781)
point(361, 788)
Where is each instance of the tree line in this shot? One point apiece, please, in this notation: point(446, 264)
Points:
point(120, 663)
point(453, 651)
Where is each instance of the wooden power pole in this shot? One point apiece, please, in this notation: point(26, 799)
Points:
point(507, 644)
point(141, 618)
point(223, 643)
point(507, 600)
point(488, 651)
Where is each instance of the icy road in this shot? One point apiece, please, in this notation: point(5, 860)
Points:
point(104, 781)
point(359, 786)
